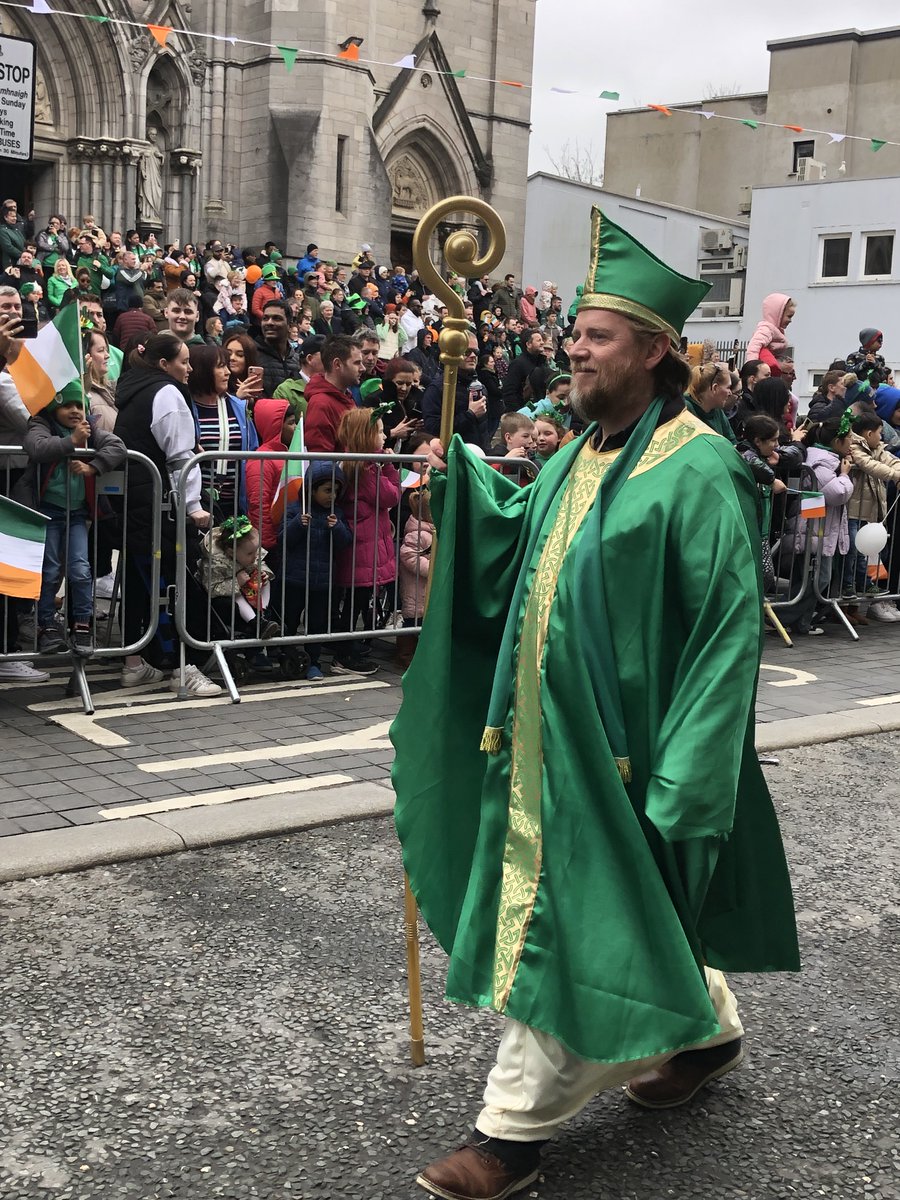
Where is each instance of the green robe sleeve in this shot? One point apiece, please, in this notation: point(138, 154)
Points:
point(439, 769)
point(697, 759)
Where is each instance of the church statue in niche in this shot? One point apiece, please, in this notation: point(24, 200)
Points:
point(150, 198)
point(409, 185)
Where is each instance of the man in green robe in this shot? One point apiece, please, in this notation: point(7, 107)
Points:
point(611, 848)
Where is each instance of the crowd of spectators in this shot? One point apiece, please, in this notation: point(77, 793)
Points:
point(222, 349)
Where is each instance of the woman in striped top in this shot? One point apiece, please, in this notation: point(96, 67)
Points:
point(223, 425)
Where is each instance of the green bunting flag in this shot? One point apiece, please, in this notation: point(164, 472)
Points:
point(98, 17)
point(457, 74)
point(877, 143)
point(289, 55)
point(751, 124)
point(609, 95)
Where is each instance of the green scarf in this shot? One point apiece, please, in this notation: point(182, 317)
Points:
point(598, 650)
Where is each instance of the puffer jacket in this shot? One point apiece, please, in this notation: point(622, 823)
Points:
point(310, 550)
point(371, 558)
point(872, 471)
point(261, 476)
point(415, 559)
point(218, 569)
point(768, 340)
point(837, 490)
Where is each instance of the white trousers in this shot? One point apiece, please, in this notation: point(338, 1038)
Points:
point(537, 1084)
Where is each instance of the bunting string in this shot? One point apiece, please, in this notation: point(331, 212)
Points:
point(289, 55)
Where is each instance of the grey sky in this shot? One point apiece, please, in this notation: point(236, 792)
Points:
point(653, 51)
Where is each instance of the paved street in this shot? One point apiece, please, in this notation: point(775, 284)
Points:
point(230, 1023)
point(146, 752)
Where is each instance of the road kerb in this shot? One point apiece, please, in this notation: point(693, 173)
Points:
point(827, 727)
point(53, 851)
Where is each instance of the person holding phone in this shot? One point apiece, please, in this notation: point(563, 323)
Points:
point(246, 378)
point(470, 417)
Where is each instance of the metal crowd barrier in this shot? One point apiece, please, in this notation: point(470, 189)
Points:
point(358, 604)
point(107, 537)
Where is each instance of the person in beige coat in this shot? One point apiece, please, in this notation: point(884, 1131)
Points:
point(874, 467)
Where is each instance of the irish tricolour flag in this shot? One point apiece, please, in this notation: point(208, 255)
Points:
point(291, 482)
point(22, 533)
point(812, 505)
point(48, 362)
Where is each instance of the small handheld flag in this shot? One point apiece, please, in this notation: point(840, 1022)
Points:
point(48, 362)
point(22, 534)
point(812, 505)
point(291, 483)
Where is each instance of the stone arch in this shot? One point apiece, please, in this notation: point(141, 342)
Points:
point(429, 167)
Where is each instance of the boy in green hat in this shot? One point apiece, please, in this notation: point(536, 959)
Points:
point(59, 482)
point(612, 847)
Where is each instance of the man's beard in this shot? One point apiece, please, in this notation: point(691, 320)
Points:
point(609, 395)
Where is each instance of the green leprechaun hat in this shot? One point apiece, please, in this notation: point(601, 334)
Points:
point(624, 277)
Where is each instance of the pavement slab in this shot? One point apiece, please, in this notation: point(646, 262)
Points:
point(231, 1022)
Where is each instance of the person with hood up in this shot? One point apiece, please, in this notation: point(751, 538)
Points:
point(768, 342)
point(527, 306)
point(426, 354)
point(275, 423)
point(887, 405)
point(314, 530)
point(874, 467)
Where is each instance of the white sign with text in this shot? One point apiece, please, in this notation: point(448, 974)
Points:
point(17, 86)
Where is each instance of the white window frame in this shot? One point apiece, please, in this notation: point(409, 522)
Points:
point(864, 241)
point(833, 237)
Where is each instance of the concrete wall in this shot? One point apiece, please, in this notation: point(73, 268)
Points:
point(558, 228)
point(684, 159)
point(786, 229)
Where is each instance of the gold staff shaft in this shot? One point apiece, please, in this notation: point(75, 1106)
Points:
point(462, 257)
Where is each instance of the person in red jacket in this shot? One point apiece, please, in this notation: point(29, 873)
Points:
point(269, 289)
point(327, 395)
point(275, 423)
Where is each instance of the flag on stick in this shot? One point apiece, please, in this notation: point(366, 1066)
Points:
point(812, 505)
point(291, 483)
point(48, 362)
point(22, 533)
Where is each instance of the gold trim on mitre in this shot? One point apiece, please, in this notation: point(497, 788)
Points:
point(629, 308)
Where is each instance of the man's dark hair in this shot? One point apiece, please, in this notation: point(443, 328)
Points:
point(507, 278)
point(340, 347)
point(130, 233)
point(527, 334)
point(84, 238)
point(183, 297)
point(90, 298)
point(867, 421)
point(365, 334)
point(283, 305)
point(749, 369)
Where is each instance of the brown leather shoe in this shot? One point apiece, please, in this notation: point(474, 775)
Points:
point(682, 1077)
point(470, 1174)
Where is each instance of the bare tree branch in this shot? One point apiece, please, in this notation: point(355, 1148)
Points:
point(579, 163)
point(715, 91)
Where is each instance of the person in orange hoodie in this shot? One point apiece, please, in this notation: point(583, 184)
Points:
point(269, 289)
point(275, 423)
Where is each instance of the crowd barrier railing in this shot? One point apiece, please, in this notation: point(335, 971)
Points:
point(106, 540)
point(344, 586)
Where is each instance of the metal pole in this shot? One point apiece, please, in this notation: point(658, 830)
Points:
point(462, 257)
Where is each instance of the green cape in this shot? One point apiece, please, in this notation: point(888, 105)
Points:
point(624, 889)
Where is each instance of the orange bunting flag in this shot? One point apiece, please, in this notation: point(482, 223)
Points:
point(511, 83)
point(795, 128)
point(161, 33)
point(351, 54)
point(661, 108)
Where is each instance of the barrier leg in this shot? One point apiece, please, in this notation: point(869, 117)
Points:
point(413, 977)
point(79, 681)
point(225, 672)
point(839, 612)
point(783, 633)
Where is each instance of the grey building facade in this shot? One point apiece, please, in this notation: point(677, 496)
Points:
point(208, 137)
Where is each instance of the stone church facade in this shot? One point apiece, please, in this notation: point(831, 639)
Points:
point(209, 138)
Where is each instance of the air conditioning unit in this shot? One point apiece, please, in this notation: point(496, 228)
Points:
point(725, 239)
point(715, 310)
point(809, 170)
point(736, 297)
point(740, 258)
point(746, 201)
point(709, 240)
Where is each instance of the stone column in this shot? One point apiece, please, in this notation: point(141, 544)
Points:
point(183, 166)
point(118, 193)
point(107, 195)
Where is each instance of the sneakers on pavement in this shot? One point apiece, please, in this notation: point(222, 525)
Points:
point(82, 640)
point(353, 666)
point(135, 676)
point(195, 682)
point(103, 588)
point(884, 610)
point(51, 641)
point(22, 672)
point(314, 673)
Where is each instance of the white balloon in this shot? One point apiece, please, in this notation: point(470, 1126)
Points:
point(476, 450)
point(871, 539)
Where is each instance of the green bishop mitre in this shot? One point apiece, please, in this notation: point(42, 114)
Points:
point(626, 278)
